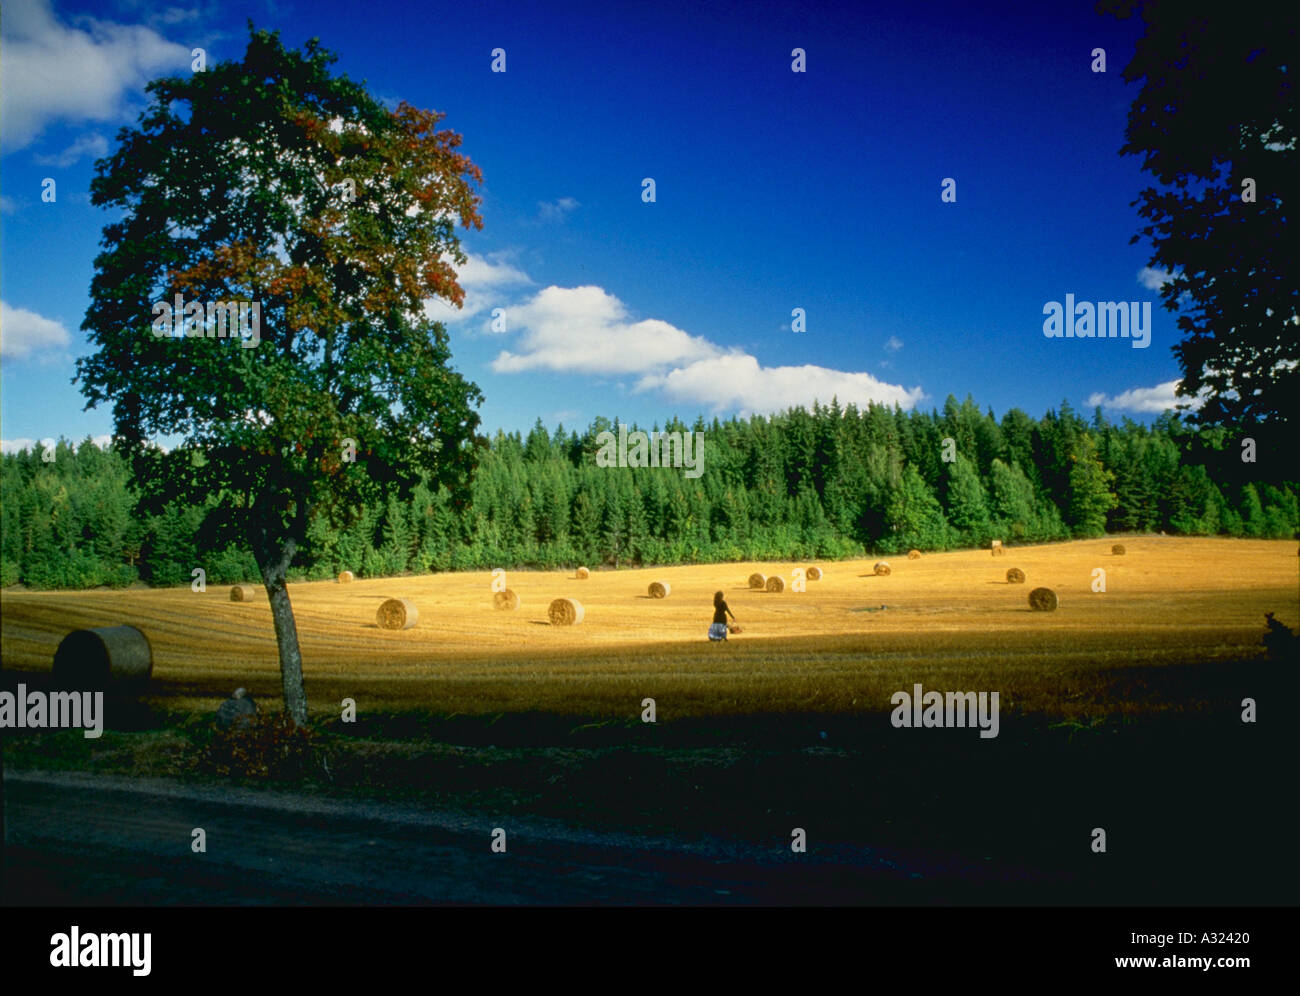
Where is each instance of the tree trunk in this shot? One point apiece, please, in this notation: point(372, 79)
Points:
point(274, 569)
point(286, 636)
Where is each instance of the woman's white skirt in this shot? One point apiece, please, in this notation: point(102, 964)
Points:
point(718, 631)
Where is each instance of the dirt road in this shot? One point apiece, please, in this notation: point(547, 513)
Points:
point(84, 839)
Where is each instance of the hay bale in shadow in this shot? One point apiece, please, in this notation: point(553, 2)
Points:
point(1015, 576)
point(107, 655)
point(1043, 600)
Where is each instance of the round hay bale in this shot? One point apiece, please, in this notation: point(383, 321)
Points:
point(242, 593)
point(346, 577)
point(1015, 576)
point(583, 573)
point(397, 613)
point(1118, 549)
point(913, 554)
point(1043, 600)
point(814, 574)
point(565, 612)
point(505, 599)
point(776, 584)
point(881, 568)
point(758, 581)
point(660, 589)
point(94, 658)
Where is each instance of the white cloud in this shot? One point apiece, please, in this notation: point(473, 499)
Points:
point(1153, 279)
point(893, 344)
point(91, 144)
point(586, 330)
point(483, 282)
point(738, 381)
point(86, 71)
point(176, 15)
point(24, 334)
point(103, 441)
point(480, 272)
point(556, 210)
point(1147, 400)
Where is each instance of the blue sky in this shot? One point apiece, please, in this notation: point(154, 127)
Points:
point(775, 190)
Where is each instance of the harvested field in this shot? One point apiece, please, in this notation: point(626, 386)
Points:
point(951, 623)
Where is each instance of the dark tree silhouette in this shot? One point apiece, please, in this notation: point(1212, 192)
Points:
point(1215, 125)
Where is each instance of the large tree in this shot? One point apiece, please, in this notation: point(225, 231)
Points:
point(1215, 126)
point(274, 182)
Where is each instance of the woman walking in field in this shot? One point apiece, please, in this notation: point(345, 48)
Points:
point(718, 631)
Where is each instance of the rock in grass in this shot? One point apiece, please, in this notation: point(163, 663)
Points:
point(237, 710)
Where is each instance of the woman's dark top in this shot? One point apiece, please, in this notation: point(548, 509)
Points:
point(720, 613)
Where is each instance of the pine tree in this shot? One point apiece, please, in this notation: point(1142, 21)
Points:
point(914, 517)
point(967, 504)
point(1090, 495)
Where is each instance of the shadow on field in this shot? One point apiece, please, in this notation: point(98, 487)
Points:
point(1188, 795)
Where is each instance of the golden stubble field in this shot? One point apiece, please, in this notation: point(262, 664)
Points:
point(950, 621)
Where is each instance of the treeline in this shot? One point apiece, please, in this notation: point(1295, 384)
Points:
point(822, 484)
